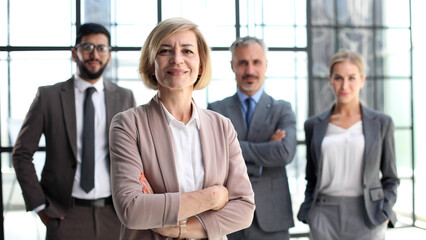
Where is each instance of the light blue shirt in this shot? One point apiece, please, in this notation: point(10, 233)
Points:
point(256, 97)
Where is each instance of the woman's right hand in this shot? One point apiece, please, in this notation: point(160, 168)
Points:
point(146, 187)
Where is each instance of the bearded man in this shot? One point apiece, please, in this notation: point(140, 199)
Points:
point(73, 196)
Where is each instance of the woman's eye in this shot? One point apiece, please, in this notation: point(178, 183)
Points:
point(187, 51)
point(163, 51)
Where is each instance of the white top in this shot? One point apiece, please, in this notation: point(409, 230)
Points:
point(102, 187)
point(187, 151)
point(342, 156)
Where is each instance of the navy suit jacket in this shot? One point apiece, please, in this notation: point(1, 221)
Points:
point(379, 157)
point(272, 196)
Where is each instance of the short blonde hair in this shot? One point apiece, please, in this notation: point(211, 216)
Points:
point(157, 37)
point(347, 56)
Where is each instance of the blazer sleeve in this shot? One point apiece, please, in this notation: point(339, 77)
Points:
point(272, 154)
point(389, 180)
point(135, 209)
point(23, 152)
point(310, 175)
point(238, 212)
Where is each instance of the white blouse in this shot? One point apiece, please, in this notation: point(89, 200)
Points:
point(342, 156)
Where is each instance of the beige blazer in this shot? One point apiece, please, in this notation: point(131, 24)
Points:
point(140, 141)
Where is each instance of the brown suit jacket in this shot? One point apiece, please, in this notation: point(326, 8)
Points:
point(140, 141)
point(52, 113)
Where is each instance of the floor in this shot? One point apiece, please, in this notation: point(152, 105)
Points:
point(35, 230)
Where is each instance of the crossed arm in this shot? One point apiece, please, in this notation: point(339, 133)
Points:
point(191, 204)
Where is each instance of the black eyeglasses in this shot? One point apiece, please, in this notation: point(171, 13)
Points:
point(90, 47)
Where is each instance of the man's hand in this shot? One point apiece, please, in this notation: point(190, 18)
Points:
point(45, 218)
point(278, 136)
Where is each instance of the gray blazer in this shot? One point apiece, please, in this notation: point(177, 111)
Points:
point(272, 197)
point(379, 157)
point(52, 113)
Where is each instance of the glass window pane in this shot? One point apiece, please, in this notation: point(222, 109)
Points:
point(404, 204)
point(141, 93)
point(403, 152)
point(356, 13)
point(393, 13)
point(281, 88)
point(40, 30)
point(301, 37)
point(219, 32)
point(276, 12)
point(300, 12)
point(219, 89)
point(277, 36)
point(221, 65)
point(393, 52)
point(34, 69)
point(322, 95)
point(127, 65)
point(322, 12)
point(14, 213)
point(281, 64)
point(360, 41)
point(323, 47)
point(4, 92)
point(132, 27)
point(3, 22)
point(420, 193)
point(399, 108)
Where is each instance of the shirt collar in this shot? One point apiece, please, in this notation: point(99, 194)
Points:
point(195, 117)
point(82, 85)
point(256, 97)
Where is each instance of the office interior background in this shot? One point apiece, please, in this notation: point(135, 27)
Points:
point(36, 38)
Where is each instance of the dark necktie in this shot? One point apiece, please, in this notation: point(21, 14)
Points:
point(249, 113)
point(87, 180)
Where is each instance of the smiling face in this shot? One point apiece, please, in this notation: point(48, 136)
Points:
point(177, 64)
point(90, 66)
point(249, 65)
point(346, 81)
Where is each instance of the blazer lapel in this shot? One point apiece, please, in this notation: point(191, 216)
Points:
point(110, 102)
point(371, 128)
point(236, 116)
point(260, 114)
point(208, 151)
point(68, 107)
point(318, 132)
point(162, 142)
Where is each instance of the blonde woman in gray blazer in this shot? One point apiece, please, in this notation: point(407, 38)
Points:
point(351, 171)
point(177, 170)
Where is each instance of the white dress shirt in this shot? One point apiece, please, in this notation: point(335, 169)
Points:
point(342, 156)
point(102, 187)
point(187, 151)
